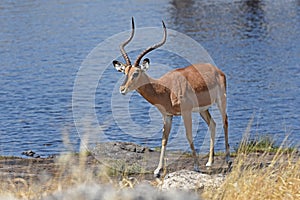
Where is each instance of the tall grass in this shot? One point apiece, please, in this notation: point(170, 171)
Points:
point(75, 180)
point(252, 177)
point(261, 170)
point(255, 178)
point(70, 170)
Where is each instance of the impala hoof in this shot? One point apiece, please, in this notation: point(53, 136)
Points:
point(228, 160)
point(196, 168)
point(229, 163)
point(157, 173)
point(208, 164)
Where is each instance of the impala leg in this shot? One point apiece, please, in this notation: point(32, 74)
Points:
point(222, 108)
point(187, 119)
point(212, 128)
point(225, 126)
point(164, 141)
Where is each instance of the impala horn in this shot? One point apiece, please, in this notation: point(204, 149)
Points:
point(151, 48)
point(124, 54)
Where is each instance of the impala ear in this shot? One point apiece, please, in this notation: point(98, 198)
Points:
point(119, 66)
point(146, 64)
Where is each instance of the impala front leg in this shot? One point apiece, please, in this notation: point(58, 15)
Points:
point(166, 131)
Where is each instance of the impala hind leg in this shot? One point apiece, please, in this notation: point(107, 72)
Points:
point(164, 141)
point(225, 126)
point(187, 119)
point(212, 128)
point(222, 107)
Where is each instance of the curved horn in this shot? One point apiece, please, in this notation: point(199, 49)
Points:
point(124, 54)
point(151, 48)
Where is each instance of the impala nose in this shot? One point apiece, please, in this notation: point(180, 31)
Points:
point(123, 90)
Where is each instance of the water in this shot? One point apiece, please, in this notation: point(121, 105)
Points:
point(43, 44)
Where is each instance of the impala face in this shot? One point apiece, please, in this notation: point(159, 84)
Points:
point(133, 72)
point(132, 75)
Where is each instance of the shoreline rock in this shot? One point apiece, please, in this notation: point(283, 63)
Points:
point(191, 180)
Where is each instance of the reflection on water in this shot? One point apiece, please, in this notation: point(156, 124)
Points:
point(252, 20)
point(42, 45)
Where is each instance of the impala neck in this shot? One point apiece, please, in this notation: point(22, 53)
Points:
point(149, 88)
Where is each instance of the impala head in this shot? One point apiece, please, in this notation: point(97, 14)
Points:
point(133, 72)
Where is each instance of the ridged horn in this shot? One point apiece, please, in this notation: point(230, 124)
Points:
point(151, 48)
point(122, 46)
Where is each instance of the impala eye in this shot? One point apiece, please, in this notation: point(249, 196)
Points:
point(135, 74)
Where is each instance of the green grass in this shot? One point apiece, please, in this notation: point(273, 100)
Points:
point(264, 144)
point(9, 157)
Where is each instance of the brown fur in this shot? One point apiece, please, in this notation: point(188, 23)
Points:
point(179, 92)
point(184, 88)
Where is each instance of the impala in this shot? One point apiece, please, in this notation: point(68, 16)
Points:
point(182, 91)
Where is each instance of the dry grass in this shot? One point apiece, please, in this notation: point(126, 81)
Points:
point(71, 170)
point(255, 179)
point(250, 178)
point(75, 180)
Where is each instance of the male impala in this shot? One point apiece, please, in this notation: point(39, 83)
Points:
point(179, 92)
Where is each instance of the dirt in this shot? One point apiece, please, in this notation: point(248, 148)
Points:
point(123, 157)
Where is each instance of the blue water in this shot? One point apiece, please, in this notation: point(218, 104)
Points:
point(43, 45)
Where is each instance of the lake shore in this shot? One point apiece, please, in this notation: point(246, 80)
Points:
point(117, 157)
point(125, 165)
point(136, 160)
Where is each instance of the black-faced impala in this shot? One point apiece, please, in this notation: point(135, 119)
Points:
point(181, 91)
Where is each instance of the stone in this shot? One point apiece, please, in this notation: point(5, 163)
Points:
point(29, 153)
point(191, 180)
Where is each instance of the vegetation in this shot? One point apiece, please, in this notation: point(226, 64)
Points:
point(253, 176)
point(8, 157)
point(262, 144)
